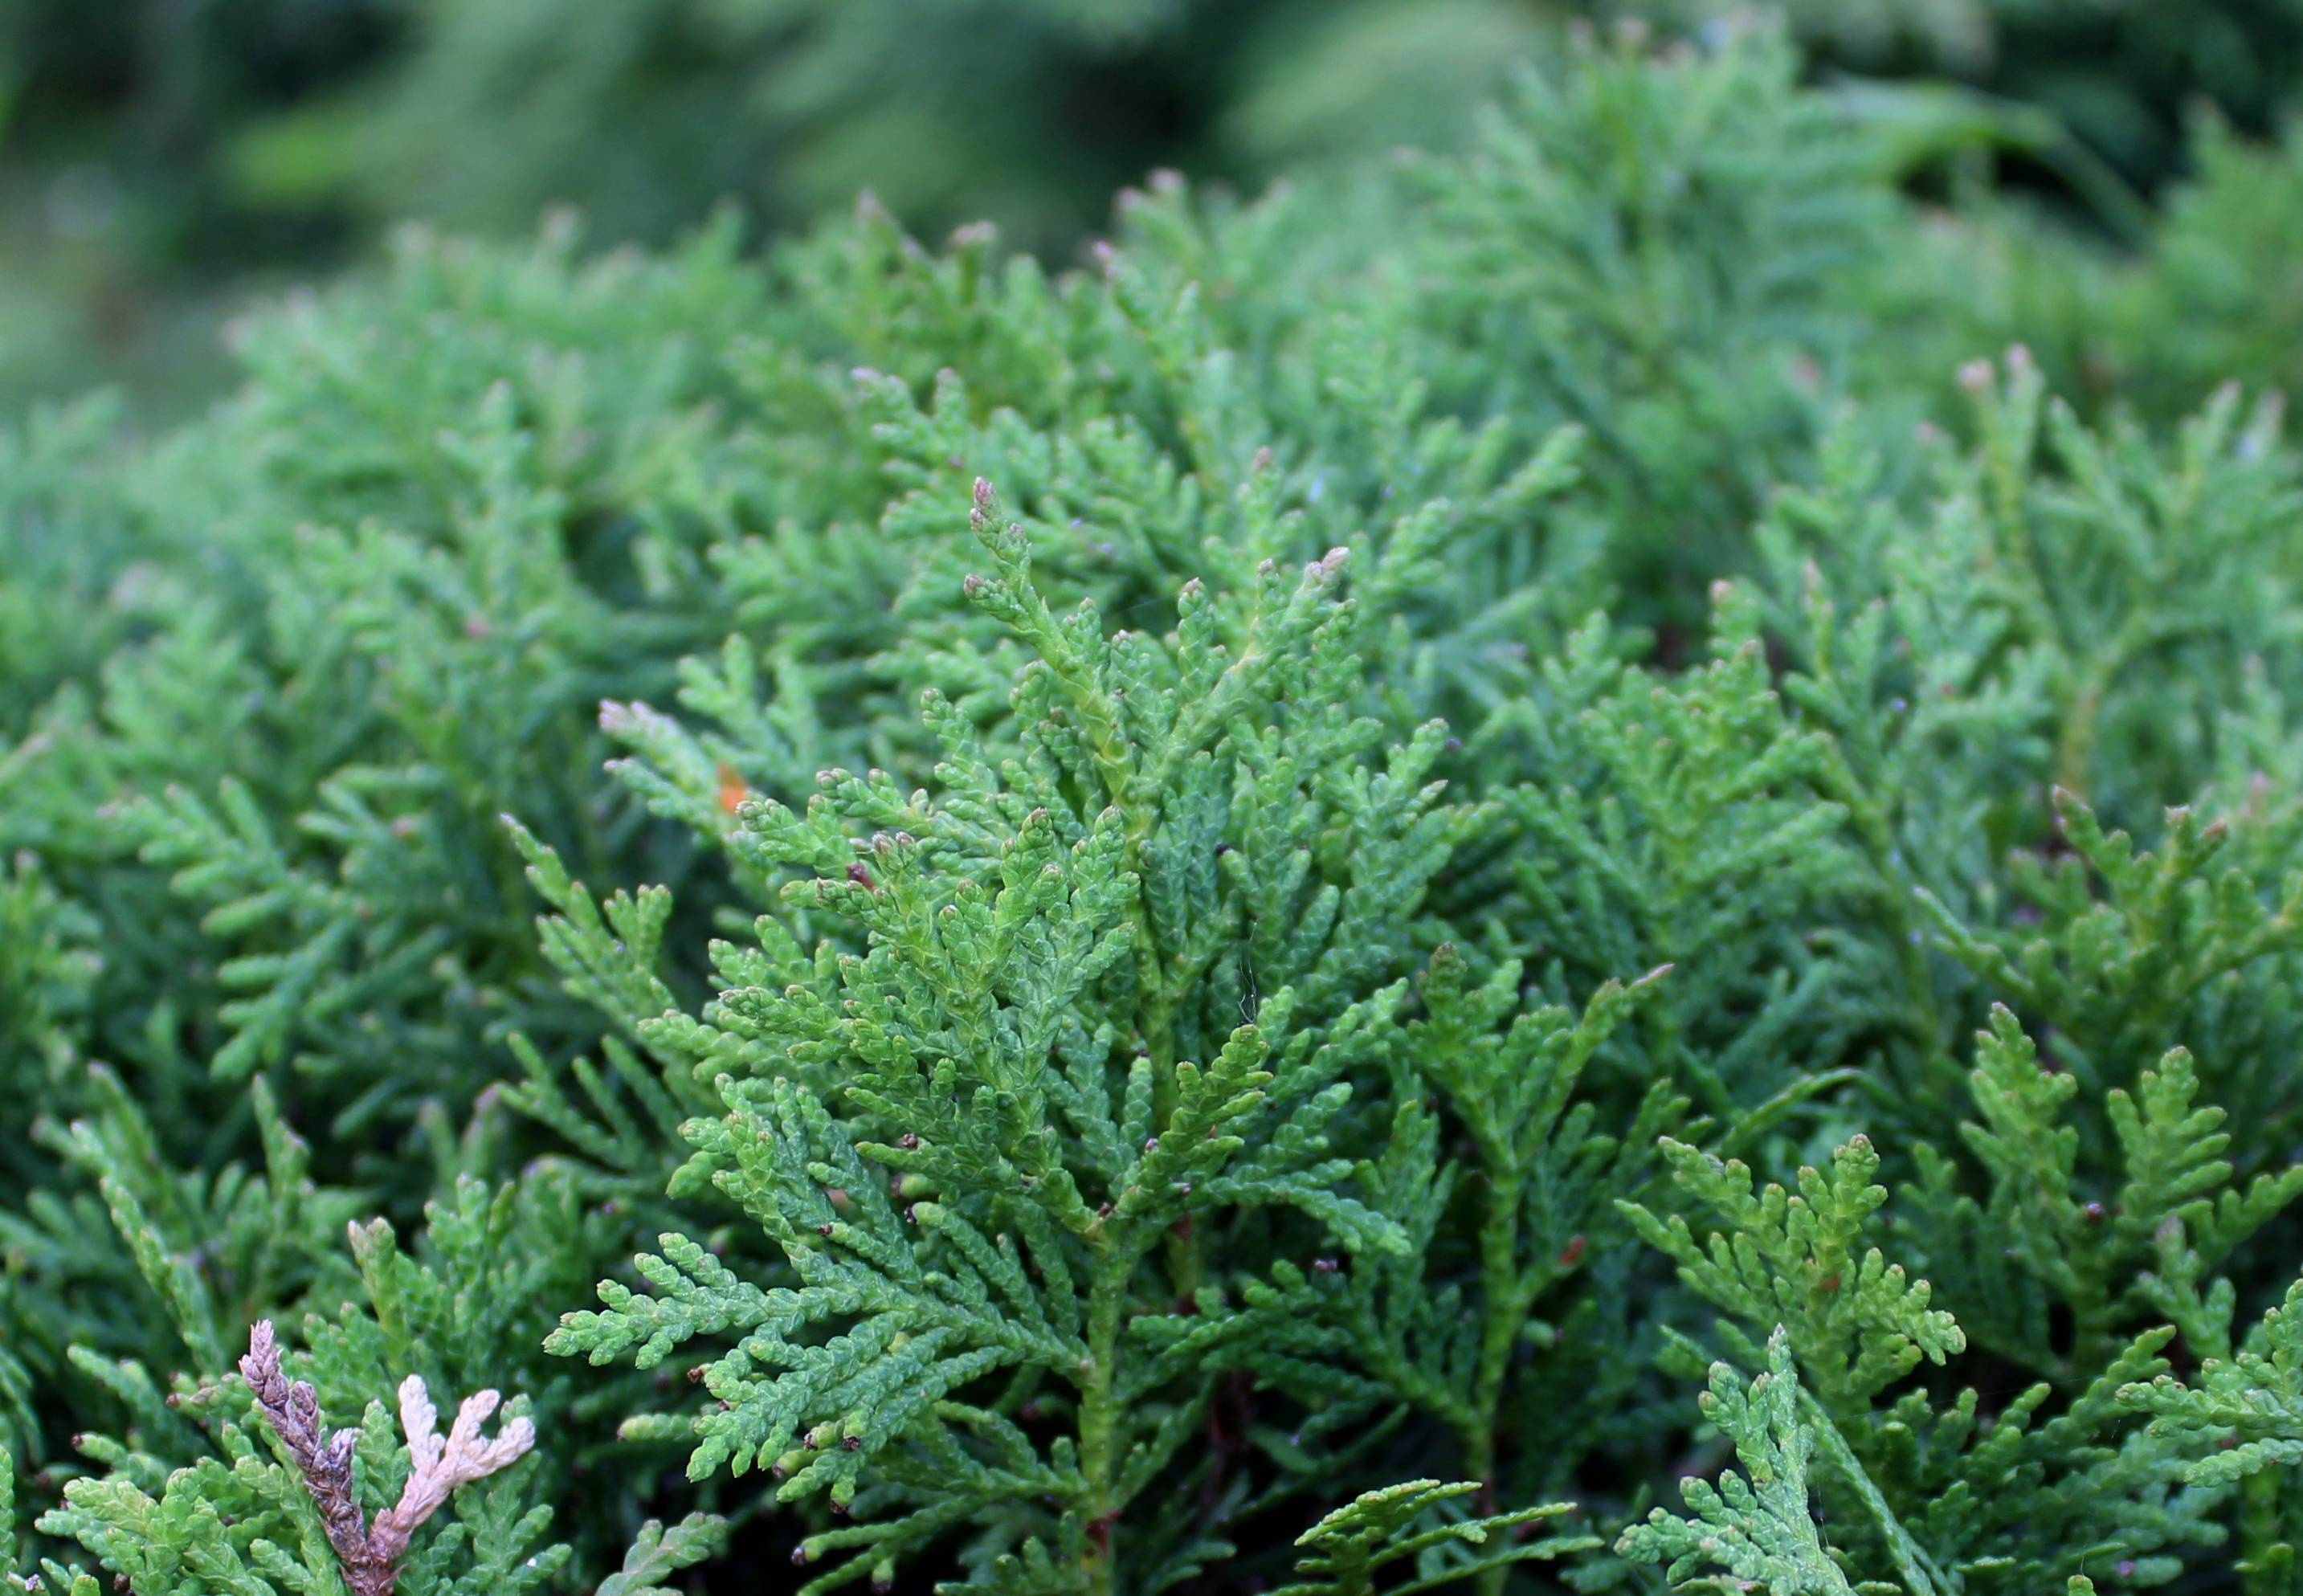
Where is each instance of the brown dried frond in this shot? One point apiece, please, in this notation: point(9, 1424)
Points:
point(438, 1465)
point(370, 1556)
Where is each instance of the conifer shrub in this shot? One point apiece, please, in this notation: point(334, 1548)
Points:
point(1539, 881)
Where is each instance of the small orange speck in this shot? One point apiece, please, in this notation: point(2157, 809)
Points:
point(733, 790)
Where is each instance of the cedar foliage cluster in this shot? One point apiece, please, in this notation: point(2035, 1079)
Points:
point(1505, 880)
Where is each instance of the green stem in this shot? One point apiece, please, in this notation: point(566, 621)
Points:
point(1499, 1327)
point(1158, 1036)
point(1869, 819)
point(2076, 741)
point(1506, 1302)
point(1913, 1567)
point(2078, 738)
point(2265, 1559)
point(1100, 1441)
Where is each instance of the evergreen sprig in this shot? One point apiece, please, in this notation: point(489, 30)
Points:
point(1556, 776)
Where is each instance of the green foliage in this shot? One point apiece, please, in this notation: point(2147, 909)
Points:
point(156, 162)
point(1620, 239)
point(2043, 1276)
point(2251, 1396)
point(1755, 1528)
point(1535, 784)
point(1856, 1319)
point(1345, 1549)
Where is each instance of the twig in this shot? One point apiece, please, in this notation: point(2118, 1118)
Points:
point(370, 1556)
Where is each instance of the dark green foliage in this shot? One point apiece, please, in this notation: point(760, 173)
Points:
point(159, 161)
point(1563, 776)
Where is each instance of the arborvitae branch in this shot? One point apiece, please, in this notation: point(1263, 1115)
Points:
point(1117, 1021)
point(370, 1556)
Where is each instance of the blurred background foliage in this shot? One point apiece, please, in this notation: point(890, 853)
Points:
point(164, 161)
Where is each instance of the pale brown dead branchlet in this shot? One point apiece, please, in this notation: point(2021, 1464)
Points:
point(437, 1465)
point(294, 1412)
